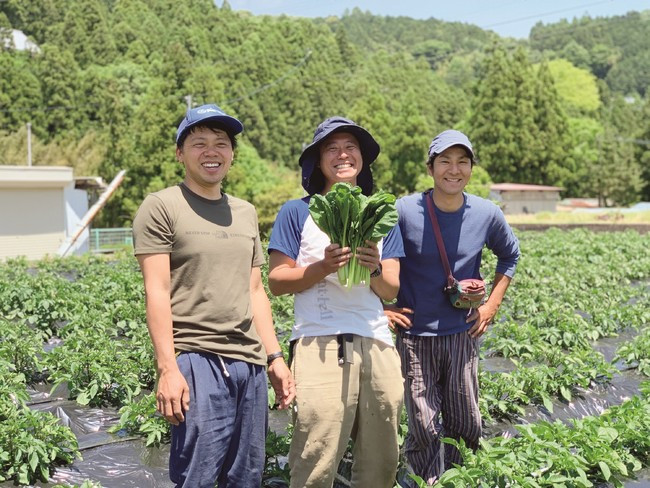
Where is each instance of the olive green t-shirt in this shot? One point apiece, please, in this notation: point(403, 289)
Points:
point(213, 244)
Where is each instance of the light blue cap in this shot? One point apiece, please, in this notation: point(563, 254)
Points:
point(449, 138)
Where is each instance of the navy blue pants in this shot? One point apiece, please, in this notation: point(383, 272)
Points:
point(223, 437)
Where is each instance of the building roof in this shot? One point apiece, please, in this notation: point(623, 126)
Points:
point(580, 202)
point(35, 176)
point(89, 183)
point(523, 187)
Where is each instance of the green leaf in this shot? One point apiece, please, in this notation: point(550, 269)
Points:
point(83, 398)
point(605, 470)
point(609, 434)
point(566, 393)
point(33, 461)
point(546, 400)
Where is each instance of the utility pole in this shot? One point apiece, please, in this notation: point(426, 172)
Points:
point(29, 144)
point(188, 99)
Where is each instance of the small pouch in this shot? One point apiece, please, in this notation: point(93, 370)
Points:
point(467, 293)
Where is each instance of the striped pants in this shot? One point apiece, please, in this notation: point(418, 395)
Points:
point(441, 376)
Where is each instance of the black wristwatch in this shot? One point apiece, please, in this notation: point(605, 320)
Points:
point(272, 357)
point(376, 272)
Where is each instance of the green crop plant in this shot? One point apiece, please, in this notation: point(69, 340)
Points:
point(636, 354)
point(13, 394)
point(595, 449)
point(96, 369)
point(21, 346)
point(31, 443)
point(141, 418)
point(571, 288)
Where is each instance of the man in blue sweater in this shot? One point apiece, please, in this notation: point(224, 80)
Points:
point(437, 342)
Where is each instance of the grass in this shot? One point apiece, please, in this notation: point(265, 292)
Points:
point(573, 217)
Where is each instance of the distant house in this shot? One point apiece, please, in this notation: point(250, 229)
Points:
point(516, 198)
point(22, 43)
point(41, 208)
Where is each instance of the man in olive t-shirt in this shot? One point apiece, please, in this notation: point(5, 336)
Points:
point(208, 314)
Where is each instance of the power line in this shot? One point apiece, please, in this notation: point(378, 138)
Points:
point(544, 14)
point(273, 83)
point(593, 23)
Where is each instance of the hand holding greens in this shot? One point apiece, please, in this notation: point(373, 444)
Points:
point(349, 219)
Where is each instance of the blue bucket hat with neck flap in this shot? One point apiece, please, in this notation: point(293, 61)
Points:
point(313, 180)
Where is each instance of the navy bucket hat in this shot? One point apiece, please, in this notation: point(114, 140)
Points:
point(449, 138)
point(206, 113)
point(313, 180)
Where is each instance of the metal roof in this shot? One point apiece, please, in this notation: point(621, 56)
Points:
point(523, 187)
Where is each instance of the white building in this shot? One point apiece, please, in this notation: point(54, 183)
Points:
point(39, 209)
point(517, 198)
point(22, 42)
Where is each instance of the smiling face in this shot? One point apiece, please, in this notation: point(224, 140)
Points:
point(340, 159)
point(451, 171)
point(207, 155)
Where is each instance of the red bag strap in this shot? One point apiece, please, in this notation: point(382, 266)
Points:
point(441, 245)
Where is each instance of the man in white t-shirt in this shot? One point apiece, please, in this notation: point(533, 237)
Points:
point(346, 368)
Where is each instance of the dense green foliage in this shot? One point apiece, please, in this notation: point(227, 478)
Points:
point(31, 442)
point(637, 353)
point(590, 451)
point(615, 49)
point(112, 78)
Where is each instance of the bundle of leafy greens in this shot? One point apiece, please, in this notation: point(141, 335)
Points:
point(349, 219)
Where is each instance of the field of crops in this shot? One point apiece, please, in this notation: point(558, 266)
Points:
point(565, 394)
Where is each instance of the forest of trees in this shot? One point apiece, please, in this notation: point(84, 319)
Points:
point(570, 106)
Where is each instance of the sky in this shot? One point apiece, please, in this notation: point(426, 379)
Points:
point(509, 18)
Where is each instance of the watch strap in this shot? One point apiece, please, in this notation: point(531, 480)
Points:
point(272, 357)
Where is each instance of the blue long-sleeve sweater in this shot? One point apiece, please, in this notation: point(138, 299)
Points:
point(465, 232)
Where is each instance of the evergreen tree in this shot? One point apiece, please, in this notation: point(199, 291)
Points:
point(553, 144)
point(490, 125)
point(528, 164)
point(60, 79)
point(6, 36)
point(517, 122)
point(643, 150)
point(20, 93)
point(618, 176)
point(585, 135)
point(86, 33)
point(34, 17)
point(115, 74)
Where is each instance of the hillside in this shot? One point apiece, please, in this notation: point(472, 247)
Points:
point(113, 78)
